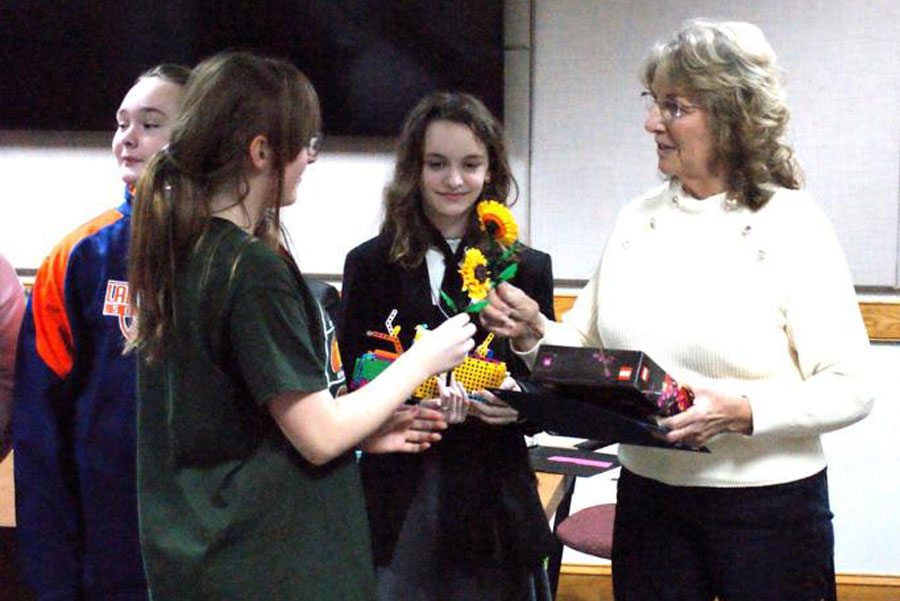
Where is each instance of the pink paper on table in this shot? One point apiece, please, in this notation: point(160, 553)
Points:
point(579, 461)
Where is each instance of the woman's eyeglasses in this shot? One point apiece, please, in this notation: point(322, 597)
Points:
point(669, 109)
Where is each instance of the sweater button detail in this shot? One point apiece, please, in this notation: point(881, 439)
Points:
point(652, 223)
point(761, 254)
point(625, 244)
point(746, 231)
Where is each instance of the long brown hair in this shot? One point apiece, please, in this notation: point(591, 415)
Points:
point(404, 218)
point(230, 99)
point(730, 70)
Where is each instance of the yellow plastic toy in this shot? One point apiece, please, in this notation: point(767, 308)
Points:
point(476, 372)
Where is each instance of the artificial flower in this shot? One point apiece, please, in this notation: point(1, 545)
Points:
point(497, 220)
point(475, 275)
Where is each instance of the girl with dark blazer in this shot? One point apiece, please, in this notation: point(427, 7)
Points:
point(463, 520)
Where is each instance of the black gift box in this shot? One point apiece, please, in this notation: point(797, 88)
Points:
point(601, 394)
point(628, 382)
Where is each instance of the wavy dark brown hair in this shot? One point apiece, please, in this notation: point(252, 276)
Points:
point(229, 99)
point(404, 217)
point(730, 70)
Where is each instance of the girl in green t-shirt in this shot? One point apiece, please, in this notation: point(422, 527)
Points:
point(236, 359)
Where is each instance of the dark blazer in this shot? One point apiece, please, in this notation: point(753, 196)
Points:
point(492, 510)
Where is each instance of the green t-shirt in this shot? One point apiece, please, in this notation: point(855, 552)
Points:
point(228, 508)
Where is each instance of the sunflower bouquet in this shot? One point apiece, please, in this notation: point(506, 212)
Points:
point(484, 269)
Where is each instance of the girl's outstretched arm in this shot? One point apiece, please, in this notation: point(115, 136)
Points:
point(322, 427)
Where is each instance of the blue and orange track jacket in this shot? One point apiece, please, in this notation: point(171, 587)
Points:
point(74, 422)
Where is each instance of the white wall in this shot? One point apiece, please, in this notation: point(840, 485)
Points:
point(55, 181)
point(864, 480)
point(591, 154)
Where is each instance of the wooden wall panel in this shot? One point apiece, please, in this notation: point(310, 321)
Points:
point(594, 583)
point(882, 319)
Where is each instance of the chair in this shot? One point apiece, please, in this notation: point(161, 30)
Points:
point(589, 530)
point(575, 532)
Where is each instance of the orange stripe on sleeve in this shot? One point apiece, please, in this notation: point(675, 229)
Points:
point(48, 302)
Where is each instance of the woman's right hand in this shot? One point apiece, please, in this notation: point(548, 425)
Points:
point(510, 313)
point(446, 346)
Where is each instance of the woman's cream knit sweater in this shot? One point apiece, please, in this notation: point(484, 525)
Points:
point(749, 303)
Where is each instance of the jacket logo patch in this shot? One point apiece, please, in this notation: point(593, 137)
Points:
point(336, 365)
point(117, 303)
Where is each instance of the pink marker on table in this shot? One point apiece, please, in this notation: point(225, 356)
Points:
point(579, 461)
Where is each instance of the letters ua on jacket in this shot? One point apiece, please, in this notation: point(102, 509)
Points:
point(118, 304)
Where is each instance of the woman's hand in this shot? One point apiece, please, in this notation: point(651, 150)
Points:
point(452, 402)
point(512, 314)
point(712, 413)
point(407, 430)
point(491, 409)
point(446, 346)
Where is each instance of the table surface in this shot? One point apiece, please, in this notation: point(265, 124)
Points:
point(552, 488)
point(7, 499)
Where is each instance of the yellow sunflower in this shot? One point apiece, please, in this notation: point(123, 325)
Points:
point(497, 220)
point(475, 276)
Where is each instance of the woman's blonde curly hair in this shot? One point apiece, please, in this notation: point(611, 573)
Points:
point(730, 70)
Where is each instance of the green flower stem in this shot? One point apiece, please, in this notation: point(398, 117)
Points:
point(508, 273)
point(476, 307)
point(449, 301)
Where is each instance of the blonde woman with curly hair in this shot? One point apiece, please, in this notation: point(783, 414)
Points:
point(764, 327)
